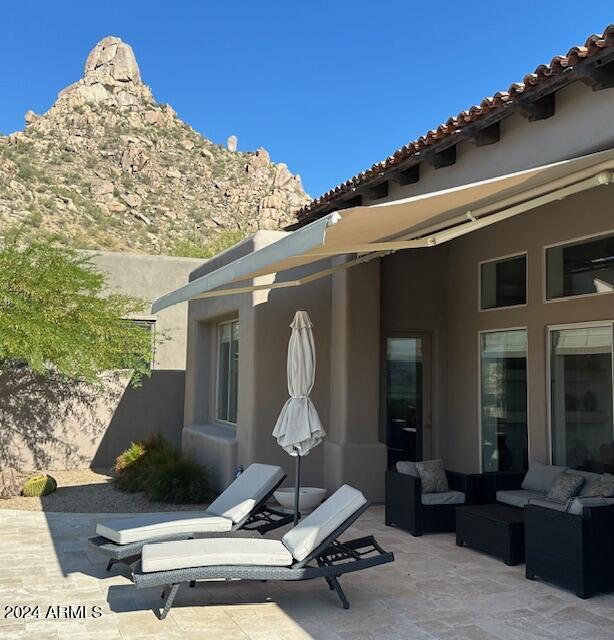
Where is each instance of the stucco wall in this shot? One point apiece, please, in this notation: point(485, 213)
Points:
point(149, 277)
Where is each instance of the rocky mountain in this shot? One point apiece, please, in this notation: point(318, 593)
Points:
point(107, 167)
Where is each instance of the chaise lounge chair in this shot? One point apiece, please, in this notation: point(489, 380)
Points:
point(309, 550)
point(241, 506)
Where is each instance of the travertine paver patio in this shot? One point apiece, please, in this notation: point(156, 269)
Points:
point(433, 590)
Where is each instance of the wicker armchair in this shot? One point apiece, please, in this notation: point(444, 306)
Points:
point(572, 551)
point(405, 508)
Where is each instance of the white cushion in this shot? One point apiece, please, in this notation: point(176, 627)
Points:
point(518, 497)
point(408, 468)
point(540, 477)
point(548, 504)
point(153, 525)
point(319, 524)
point(443, 497)
point(211, 552)
point(246, 491)
point(576, 505)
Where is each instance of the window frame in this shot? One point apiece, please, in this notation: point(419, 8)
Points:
point(218, 337)
point(151, 322)
point(509, 256)
point(569, 241)
point(524, 328)
point(548, 336)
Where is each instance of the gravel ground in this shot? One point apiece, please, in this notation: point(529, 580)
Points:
point(91, 491)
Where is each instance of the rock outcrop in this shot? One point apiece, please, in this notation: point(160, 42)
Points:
point(109, 167)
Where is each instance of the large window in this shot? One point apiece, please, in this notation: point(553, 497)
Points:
point(503, 400)
point(228, 371)
point(580, 268)
point(581, 397)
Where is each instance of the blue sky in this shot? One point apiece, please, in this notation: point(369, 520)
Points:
point(329, 88)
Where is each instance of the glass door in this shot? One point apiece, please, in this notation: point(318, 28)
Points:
point(406, 395)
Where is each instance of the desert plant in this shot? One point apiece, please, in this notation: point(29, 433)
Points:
point(162, 472)
point(38, 486)
point(178, 480)
point(130, 456)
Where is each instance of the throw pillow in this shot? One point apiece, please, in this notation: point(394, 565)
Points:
point(565, 487)
point(433, 476)
point(592, 488)
point(607, 482)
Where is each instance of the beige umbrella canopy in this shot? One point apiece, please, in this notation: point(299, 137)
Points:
point(298, 428)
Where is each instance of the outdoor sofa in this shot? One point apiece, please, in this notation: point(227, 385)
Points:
point(240, 506)
point(570, 542)
point(311, 549)
point(410, 508)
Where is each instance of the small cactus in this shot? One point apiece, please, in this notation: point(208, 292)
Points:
point(39, 485)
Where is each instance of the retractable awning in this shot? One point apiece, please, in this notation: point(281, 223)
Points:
point(420, 221)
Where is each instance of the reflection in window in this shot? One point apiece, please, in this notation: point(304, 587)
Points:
point(503, 283)
point(504, 400)
point(228, 371)
point(581, 397)
point(580, 268)
point(404, 410)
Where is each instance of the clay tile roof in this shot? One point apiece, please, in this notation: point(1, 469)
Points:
point(593, 45)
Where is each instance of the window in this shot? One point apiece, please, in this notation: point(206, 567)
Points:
point(503, 283)
point(503, 400)
point(148, 325)
point(580, 268)
point(581, 397)
point(228, 371)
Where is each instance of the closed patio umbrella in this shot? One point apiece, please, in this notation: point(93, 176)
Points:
point(298, 428)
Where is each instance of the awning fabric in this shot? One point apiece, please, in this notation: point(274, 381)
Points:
point(435, 217)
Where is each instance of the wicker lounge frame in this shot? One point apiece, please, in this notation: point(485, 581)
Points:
point(261, 519)
point(332, 559)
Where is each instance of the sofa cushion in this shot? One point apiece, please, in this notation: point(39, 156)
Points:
point(246, 491)
point(607, 480)
point(408, 468)
point(592, 482)
point(319, 524)
point(432, 476)
point(210, 552)
point(576, 506)
point(518, 497)
point(540, 477)
point(154, 525)
point(443, 497)
point(548, 504)
point(566, 486)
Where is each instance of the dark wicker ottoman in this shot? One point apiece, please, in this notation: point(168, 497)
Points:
point(495, 529)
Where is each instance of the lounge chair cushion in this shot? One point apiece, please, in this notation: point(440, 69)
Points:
point(246, 491)
point(319, 524)
point(153, 525)
point(540, 477)
point(444, 497)
point(210, 552)
point(518, 497)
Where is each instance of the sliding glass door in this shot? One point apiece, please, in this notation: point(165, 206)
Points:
point(581, 397)
point(503, 400)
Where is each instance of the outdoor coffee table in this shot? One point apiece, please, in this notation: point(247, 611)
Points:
point(495, 529)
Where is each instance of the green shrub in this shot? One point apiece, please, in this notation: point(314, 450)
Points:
point(132, 454)
point(178, 481)
point(38, 486)
point(162, 472)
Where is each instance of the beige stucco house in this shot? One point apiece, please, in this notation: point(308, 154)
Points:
point(476, 323)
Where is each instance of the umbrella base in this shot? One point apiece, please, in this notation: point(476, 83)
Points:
point(309, 498)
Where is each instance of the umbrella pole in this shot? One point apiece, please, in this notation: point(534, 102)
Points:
point(297, 481)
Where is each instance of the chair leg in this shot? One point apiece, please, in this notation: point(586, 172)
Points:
point(334, 584)
point(169, 600)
